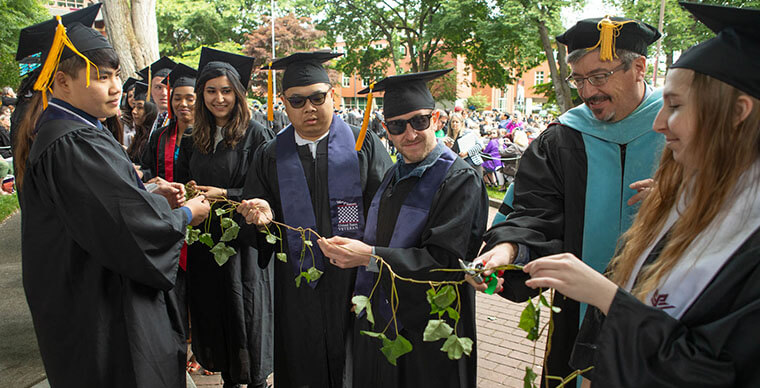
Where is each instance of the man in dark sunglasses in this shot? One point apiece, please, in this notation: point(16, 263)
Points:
point(310, 176)
point(429, 212)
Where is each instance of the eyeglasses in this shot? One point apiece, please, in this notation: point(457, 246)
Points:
point(316, 99)
point(595, 80)
point(418, 123)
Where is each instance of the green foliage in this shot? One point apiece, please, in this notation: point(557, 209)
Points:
point(529, 321)
point(362, 303)
point(479, 101)
point(456, 346)
point(436, 329)
point(529, 378)
point(547, 89)
point(222, 253)
point(205, 238)
point(15, 15)
point(392, 349)
point(282, 257)
point(231, 229)
point(8, 205)
point(191, 235)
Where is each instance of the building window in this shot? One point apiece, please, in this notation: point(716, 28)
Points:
point(402, 48)
point(539, 77)
point(67, 3)
point(365, 82)
point(379, 46)
point(346, 82)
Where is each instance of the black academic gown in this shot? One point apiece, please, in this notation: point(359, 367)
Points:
point(98, 253)
point(454, 229)
point(153, 162)
point(550, 191)
point(230, 306)
point(311, 325)
point(714, 344)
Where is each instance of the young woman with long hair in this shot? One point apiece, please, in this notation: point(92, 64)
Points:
point(230, 305)
point(679, 305)
point(457, 131)
point(143, 114)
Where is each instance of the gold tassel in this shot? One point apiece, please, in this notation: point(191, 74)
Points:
point(270, 95)
point(609, 30)
point(150, 84)
point(365, 123)
point(50, 67)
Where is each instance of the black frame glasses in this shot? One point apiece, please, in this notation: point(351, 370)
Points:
point(316, 99)
point(597, 79)
point(418, 123)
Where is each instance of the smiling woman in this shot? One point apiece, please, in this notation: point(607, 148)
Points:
point(230, 305)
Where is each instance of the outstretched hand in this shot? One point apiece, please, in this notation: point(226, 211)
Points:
point(499, 255)
point(573, 278)
point(345, 252)
point(256, 211)
point(642, 187)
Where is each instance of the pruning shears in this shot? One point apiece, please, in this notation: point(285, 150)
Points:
point(470, 268)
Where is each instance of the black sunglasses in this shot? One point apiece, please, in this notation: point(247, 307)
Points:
point(418, 123)
point(316, 99)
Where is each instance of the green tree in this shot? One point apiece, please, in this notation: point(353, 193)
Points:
point(478, 101)
point(680, 29)
point(15, 15)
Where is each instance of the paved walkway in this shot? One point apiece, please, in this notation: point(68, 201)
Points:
point(503, 350)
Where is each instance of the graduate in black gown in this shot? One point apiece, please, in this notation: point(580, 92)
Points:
point(230, 305)
point(98, 250)
point(573, 188)
point(305, 175)
point(430, 211)
point(143, 114)
point(680, 303)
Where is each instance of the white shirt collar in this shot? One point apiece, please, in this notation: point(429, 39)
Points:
point(311, 143)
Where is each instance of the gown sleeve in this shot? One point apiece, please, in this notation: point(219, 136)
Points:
point(148, 164)
point(450, 235)
point(639, 345)
point(127, 229)
point(260, 135)
point(182, 166)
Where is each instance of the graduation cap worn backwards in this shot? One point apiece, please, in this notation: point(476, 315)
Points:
point(181, 75)
point(733, 56)
point(407, 92)
point(609, 33)
point(240, 65)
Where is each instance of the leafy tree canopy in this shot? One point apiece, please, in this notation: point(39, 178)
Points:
point(15, 15)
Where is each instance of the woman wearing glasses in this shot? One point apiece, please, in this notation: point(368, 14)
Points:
point(230, 305)
point(680, 303)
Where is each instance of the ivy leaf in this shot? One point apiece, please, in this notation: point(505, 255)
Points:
point(220, 211)
point(206, 239)
point(313, 274)
point(363, 303)
point(308, 242)
point(226, 222)
point(436, 329)
point(282, 257)
point(393, 349)
point(529, 320)
point(544, 302)
point(453, 314)
point(191, 235)
point(232, 231)
point(272, 239)
point(222, 253)
point(373, 334)
point(298, 279)
point(441, 299)
point(456, 346)
point(530, 377)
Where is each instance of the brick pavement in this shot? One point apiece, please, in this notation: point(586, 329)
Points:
point(503, 350)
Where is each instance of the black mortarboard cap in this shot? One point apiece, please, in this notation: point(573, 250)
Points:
point(239, 64)
point(181, 75)
point(160, 68)
point(304, 68)
point(141, 91)
point(129, 84)
point(407, 92)
point(39, 37)
point(609, 33)
point(738, 42)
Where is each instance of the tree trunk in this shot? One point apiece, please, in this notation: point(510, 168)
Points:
point(116, 15)
point(563, 95)
point(146, 32)
point(564, 73)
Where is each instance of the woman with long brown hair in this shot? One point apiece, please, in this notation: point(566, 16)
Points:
point(680, 303)
point(230, 305)
point(144, 114)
